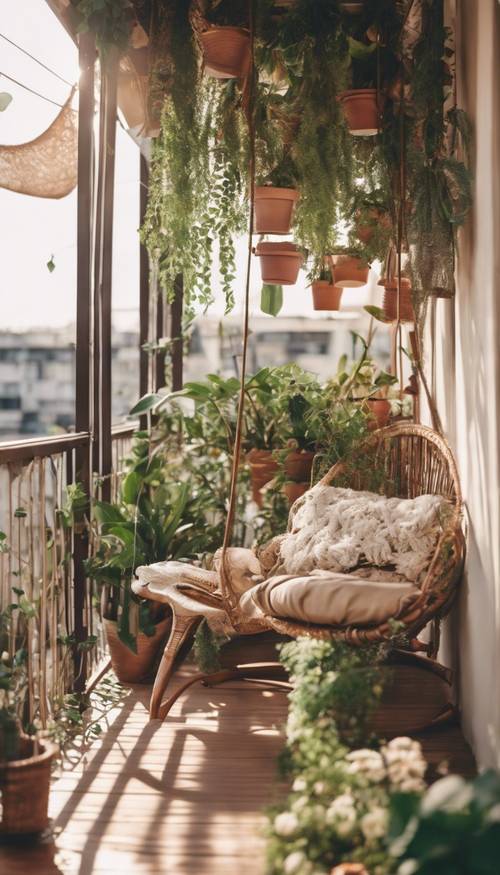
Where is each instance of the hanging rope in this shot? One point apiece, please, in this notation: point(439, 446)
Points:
point(36, 60)
point(248, 95)
point(32, 90)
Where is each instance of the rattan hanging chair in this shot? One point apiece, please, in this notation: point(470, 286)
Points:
point(410, 460)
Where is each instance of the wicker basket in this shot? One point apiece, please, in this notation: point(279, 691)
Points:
point(136, 668)
point(24, 785)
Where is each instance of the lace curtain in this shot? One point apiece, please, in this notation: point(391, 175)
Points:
point(46, 166)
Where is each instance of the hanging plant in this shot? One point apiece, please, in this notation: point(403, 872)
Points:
point(110, 20)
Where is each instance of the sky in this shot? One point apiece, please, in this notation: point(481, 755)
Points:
point(34, 229)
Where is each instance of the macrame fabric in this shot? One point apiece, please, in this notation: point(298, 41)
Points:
point(48, 165)
point(337, 529)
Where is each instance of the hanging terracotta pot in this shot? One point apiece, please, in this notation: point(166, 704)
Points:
point(226, 52)
point(293, 491)
point(24, 785)
point(362, 111)
point(380, 410)
point(390, 302)
point(326, 296)
point(263, 468)
point(279, 262)
point(366, 222)
point(298, 465)
point(350, 272)
point(136, 668)
point(274, 209)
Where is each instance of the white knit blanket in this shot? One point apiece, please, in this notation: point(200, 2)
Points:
point(337, 529)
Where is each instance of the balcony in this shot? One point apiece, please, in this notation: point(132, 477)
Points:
point(249, 552)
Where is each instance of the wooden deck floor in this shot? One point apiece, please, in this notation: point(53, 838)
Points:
point(182, 797)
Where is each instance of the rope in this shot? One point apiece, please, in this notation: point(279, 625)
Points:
point(32, 91)
point(249, 88)
point(40, 63)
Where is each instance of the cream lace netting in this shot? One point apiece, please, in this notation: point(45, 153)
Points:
point(46, 166)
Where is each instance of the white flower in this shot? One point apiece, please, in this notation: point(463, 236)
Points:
point(408, 867)
point(299, 785)
point(368, 763)
point(286, 823)
point(296, 863)
point(319, 788)
point(451, 793)
point(300, 804)
point(374, 823)
point(342, 815)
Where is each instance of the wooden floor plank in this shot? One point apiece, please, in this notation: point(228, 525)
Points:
point(180, 798)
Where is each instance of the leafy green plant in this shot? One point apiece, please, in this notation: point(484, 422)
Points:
point(452, 829)
point(146, 525)
point(111, 21)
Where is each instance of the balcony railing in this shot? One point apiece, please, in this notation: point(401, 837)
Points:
point(44, 542)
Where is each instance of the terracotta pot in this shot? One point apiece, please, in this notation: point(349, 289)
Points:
point(326, 296)
point(349, 272)
point(390, 303)
point(263, 467)
point(136, 668)
point(380, 409)
point(362, 111)
point(298, 465)
point(365, 224)
point(226, 52)
point(279, 262)
point(274, 209)
point(293, 491)
point(24, 786)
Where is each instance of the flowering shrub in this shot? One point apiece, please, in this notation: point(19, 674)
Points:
point(369, 805)
point(338, 809)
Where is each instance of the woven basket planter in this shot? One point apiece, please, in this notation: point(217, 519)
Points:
point(325, 295)
point(226, 52)
point(279, 263)
point(136, 668)
point(24, 786)
point(274, 209)
point(362, 111)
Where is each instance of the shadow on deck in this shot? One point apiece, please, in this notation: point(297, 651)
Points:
point(182, 797)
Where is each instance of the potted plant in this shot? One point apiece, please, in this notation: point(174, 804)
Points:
point(147, 524)
point(390, 302)
point(373, 63)
point(225, 40)
point(279, 262)
point(25, 760)
point(326, 295)
point(350, 271)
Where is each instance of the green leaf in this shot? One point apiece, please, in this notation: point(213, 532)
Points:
point(131, 487)
point(108, 513)
point(385, 379)
point(147, 402)
point(5, 100)
point(377, 314)
point(271, 299)
point(360, 50)
point(51, 265)
point(20, 512)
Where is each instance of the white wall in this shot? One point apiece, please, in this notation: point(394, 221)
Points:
point(467, 380)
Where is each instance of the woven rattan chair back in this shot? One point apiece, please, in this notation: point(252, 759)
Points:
point(404, 460)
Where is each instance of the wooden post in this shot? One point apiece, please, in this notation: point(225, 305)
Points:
point(103, 276)
point(87, 55)
point(176, 334)
point(144, 292)
point(159, 374)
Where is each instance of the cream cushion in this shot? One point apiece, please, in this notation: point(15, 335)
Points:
point(329, 597)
